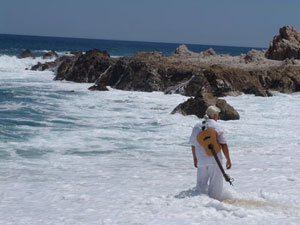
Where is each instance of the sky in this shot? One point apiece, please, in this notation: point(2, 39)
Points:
point(212, 22)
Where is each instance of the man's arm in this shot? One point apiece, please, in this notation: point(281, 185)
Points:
point(194, 156)
point(226, 153)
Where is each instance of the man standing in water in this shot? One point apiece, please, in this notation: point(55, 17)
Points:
point(208, 172)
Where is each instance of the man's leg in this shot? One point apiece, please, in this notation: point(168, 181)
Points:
point(202, 179)
point(215, 188)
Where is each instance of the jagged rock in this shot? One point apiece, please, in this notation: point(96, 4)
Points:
point(183, 51)
point(51, 65)
point(253, 56)
point(285, 45)
point(50, 54)
point(198, 105)
point(208, 52)
point(44, 66)
point(26, 54)
point(185, 72)
point(87, 67)
point(137, 75)
point(36, 67)
point(98, 88)
point(64, 67)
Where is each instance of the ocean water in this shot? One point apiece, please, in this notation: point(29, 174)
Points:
point(16, 44)
point(72, 156)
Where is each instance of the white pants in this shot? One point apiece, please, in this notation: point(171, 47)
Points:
point(210, 177)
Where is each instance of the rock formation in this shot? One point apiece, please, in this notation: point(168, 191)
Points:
point(198, 105)
point(26, 54)
point(188, 73)
point(86, 68)
point(52, 65)
point(285, 45)
point(50, 54)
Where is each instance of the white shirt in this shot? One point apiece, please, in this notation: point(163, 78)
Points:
point(202, 157)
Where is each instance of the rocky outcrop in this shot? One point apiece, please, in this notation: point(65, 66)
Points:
point(189, 73)
point(50, 54)
point(183, 51)
point(285, 45)
point(254, 56)
point(26, 54)
point(53, 64)
point(198, 105)
point(86, 68)
point(64, 67)
point(133, 74)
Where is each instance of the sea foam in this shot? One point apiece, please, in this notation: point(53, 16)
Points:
point(72, 156)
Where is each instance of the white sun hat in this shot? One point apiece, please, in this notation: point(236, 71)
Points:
point(211, 111)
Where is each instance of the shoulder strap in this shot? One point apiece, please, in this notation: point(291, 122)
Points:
point(203, 125)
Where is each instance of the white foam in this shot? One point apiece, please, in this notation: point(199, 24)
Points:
point(13, 64)
point(119, 157)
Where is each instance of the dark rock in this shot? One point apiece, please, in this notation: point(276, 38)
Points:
point(76, 53)
point(49, 55)
point(193, 106)
point(184, 75)
point(51, 65)
point(87, 68)
point(140, 76)
point(36, 67)
point(134, 74)
point(250, 88)
point(227, 111)
point(26, 54)
point(98, 88)
point(197, 106)
point(64, 67)
point(285, 45)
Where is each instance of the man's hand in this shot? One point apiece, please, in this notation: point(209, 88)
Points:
point(228, 164)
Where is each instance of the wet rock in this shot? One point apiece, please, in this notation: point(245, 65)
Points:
point(135, 74)
point(227, 111)
point(86, 68)
point(198, 105)
point(64, 67)
point(98, 88)
point(51, 65)
point(50, 54)
point(26, 54)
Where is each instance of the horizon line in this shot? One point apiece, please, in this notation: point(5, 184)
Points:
point(158, 42)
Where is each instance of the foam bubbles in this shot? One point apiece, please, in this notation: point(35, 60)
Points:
point(72, 156)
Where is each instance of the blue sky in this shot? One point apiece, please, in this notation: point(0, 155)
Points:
point(215, 22)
